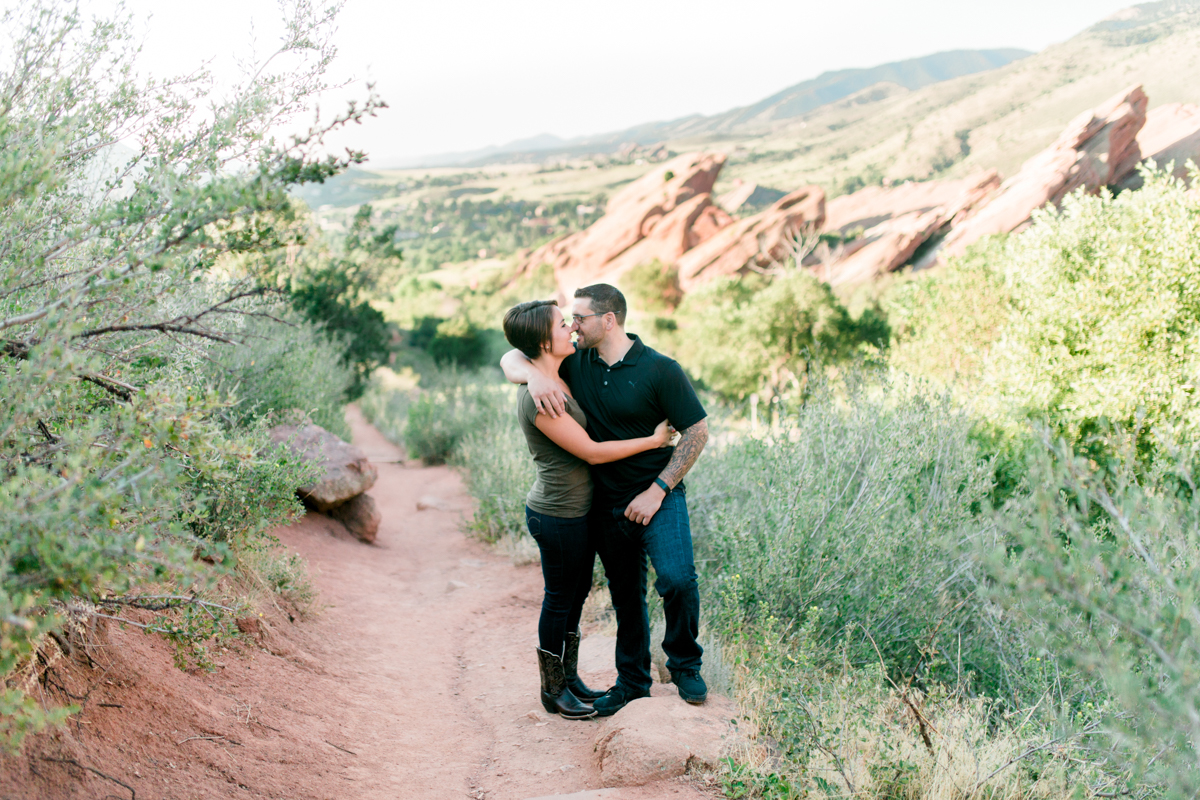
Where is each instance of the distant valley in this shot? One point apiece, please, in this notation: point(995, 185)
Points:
point(946, 116)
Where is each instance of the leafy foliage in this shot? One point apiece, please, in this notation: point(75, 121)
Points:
point(120, 274)
point(456, 405)
point(1105, 562)
point(279, 368)
point(1086, 322)
point(653, 287)
point(335, 292)
point(944, 322)
point(740, 335)
point(867, 516)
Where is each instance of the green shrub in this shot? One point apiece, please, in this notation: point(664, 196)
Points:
point(333, 287)
point(120, 276)
point(653, 287)
point(499, 473)
point(865, 508)
point(454, 405)
point(945, 321)
point(281, 368)
point(1106, 564)
point(741, 335)
point(458, 341)
point(469, 420)
point(1106, 314)
point(1085, 322)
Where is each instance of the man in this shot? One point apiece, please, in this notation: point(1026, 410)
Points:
point(639, 509)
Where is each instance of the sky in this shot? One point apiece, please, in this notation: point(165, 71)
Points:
point(464, 74)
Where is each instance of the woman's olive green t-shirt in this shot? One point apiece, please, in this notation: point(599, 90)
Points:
point(563, 487)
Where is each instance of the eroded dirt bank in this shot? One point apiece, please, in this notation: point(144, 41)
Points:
point(417, 679)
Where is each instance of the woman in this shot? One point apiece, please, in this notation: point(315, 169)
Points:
point(557, 505)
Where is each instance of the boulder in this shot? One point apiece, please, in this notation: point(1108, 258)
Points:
point(757, 240)
point(1171, 135)
point(657, 738)
point(360, 516)
point(630, 216)
point(673, 234)
point(347, 471)
point(1098, 148)
point(896, 221)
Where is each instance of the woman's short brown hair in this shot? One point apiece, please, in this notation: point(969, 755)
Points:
point(528, 326)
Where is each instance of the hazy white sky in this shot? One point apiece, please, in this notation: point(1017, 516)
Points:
point(463, 74)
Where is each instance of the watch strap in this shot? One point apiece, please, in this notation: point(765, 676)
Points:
point(663, 484)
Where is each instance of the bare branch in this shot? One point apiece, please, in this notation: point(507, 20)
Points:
point(114, 387)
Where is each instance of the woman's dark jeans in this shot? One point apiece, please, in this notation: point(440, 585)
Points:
point(567, 558)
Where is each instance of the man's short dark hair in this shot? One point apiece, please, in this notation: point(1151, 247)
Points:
point(528, 326)
point(605, 299)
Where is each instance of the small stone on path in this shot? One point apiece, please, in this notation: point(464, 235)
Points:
point(436, 503)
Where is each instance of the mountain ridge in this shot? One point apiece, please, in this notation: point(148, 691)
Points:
point(788, 103)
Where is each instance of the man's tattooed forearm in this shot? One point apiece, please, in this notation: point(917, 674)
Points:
point(691, 442)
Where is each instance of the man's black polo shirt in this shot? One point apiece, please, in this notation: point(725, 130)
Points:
point(627, 401)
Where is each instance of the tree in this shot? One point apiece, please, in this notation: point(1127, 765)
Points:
point(335, 292)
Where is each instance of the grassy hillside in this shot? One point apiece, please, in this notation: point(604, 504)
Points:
point(991, 119)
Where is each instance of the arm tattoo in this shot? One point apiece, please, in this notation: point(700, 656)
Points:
point(691, 442)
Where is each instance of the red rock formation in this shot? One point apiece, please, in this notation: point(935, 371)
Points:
point(632, 214)
point(733, 199)
point(1171, 135)
point(678, 231)
point(1097, 148)
point(758, 240)
point(873, 205)
point(896, 221)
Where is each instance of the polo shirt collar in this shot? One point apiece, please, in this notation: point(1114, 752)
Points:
point(630, 359)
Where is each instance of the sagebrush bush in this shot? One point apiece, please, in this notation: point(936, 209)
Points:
point(866, 508)
point(499, 472)
point(123, 271)
point(745, 334)
point(1105, 562)
point(454, 405)
point(282, 368)
point(944, 322)
point(469, 420)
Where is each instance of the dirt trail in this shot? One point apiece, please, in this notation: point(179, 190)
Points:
point(417, 680)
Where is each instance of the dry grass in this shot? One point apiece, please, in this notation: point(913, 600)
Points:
point(882, 744)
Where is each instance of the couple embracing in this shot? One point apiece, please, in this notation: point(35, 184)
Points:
point(598, 415)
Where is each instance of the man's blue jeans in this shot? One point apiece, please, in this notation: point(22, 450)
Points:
point(624, 550)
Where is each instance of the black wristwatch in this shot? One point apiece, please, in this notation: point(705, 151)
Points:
point(663, 484)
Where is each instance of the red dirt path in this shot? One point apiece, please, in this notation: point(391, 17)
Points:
point(407, 684)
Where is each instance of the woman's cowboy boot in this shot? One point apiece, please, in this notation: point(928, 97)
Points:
point(571, 668)
point(556, 697)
